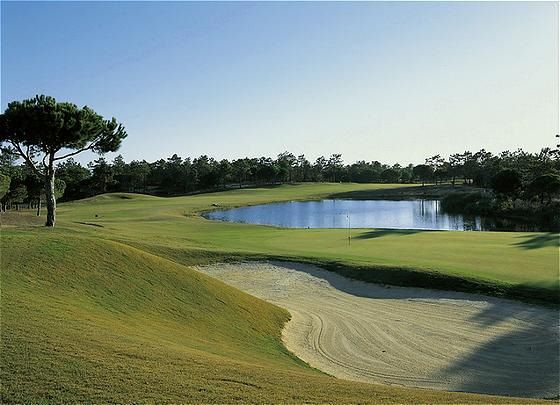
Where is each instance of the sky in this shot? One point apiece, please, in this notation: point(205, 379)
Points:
point(387, 81)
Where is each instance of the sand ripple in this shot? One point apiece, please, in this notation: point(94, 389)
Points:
point(407, 336)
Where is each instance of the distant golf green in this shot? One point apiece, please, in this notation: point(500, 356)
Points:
point(104, 307)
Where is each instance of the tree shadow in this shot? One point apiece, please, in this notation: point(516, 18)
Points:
point(378, 233)
point(550, 239)
point(272, 185)
point(494, 313)
point(388, 282)
point(400, 193)
point(524, 362)
point(377, 289)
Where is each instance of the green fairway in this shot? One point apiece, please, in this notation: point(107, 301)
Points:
point(105, 308)
point(514, 263)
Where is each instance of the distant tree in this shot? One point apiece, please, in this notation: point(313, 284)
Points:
point(15, 196)
point(119, 166)
point(240, 169)
point(286, 162)
point(41, 126)
point(121, 174)
point(455, 167)
point(423, 172)
point(407, 174)
point(138, 174)
point(4, 184)
point(390, 175)
point(304, 168)
point(173, 179)
point(75, 176)
point(546, 162)
point(224, 172)
point(334, 166)
point(59, 188)
point(442, 172)
point(102, 175)
point(36, 190)
point(8, 169)
point(8, 159)
point(547, 184)
point(438, 165)
point(267, 170)
point(470, 167)
point(207, 171)
point(506, 182)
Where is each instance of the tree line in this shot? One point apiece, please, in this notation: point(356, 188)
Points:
point(45, 135)
point(507, 172)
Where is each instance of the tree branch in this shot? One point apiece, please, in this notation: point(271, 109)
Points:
point(90, 146)
point(26, 157)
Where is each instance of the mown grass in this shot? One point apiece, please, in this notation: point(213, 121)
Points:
point(104, 309)
point(513, 264)
point(87, 320)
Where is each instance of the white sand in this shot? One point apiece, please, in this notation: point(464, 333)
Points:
point(407, 336)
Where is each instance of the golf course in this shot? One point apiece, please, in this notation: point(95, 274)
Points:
point(113, 305)
point(268, 202)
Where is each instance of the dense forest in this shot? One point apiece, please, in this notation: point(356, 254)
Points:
point(511, 181)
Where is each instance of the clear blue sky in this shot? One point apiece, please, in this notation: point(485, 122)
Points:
point(393, 82)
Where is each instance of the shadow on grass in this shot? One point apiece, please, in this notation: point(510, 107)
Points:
point(431, 280)
point(400, 193)
point(263, 186)
point(550, 239)
point(89, 224)
point(338, 276)
point(548, 295)
point(378, 233)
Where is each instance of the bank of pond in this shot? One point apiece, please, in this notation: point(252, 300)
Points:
point(421, 214)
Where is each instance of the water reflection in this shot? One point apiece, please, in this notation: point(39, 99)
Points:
point(409, 214)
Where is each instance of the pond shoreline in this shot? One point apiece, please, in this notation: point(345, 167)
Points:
point(348, 213)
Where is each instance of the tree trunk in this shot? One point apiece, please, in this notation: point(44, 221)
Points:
point(39, 206)
point(51, 199)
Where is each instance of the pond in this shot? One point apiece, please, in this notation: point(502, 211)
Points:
point(391, 214)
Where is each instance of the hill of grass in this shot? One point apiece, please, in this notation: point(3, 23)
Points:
point(512, 264)
point(91, 320)
point(105, 308)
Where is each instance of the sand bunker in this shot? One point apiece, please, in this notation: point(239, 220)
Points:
point(407, 336)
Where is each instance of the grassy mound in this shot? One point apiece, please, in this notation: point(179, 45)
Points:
point(86, 319)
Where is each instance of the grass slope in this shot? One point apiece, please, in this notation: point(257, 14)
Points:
point(103, 308)
point(514, 264)
point(91, 320)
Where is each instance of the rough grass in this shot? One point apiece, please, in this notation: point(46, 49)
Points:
point(103, 308)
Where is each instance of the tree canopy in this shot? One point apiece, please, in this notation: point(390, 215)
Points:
point(507, 182)
point(43, 131)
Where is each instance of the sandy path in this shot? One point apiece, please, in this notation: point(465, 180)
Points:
point(407, 336)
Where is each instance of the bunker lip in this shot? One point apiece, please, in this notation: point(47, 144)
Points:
point(413, 337)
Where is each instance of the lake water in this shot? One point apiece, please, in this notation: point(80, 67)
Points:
point(404, 214)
